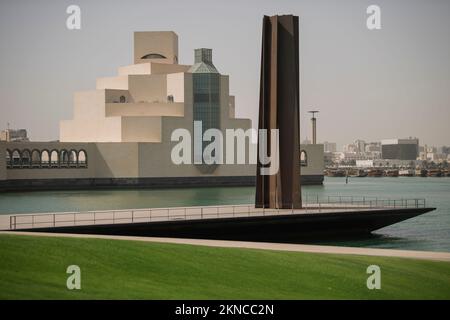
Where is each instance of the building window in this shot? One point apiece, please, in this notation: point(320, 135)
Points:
point(26, 159)
point(15, 159)
point(8, 159)
point(45, 159)
point(64, 158)
point(303, 158)
point(35, 158)
point(153, 56)
point(170, 98)
point(73, 158)
point(82, 159)
point(206, 87)
point(122, 99)
point(54, 159)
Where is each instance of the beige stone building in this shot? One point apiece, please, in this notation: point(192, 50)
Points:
point(120, 133)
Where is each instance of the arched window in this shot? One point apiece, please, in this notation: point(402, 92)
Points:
point(153, 56)
point(82, 158)
point(303, 158)
point(15, 159)
point(122, 99)
point(54, 159)
point(45, 158)
point(64, 158)
point(26, 158)
point(73, 158)
point(8, 158)
point(35, 158)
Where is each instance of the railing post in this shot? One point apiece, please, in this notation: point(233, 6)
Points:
point(114, 217)
point(95, 222)
point(32, 221)
point(10, 222)
point(54, 220)
point(201, 212)
point(184, 213)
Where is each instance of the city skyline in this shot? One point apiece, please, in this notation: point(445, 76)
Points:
point(400, 80)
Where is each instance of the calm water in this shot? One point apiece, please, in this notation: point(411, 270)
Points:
point(428, 232)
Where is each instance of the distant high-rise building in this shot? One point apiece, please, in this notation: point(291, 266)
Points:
point(444, 150)
point(402, 149)
point(349, 148)
point(329, 146)
point(360, 145)
point(12, 135)
point(373, 147)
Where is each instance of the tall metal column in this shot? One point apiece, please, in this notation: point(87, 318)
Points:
point(279, 109)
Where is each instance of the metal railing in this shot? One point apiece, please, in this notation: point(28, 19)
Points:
point(310, 205)
point(366, 201)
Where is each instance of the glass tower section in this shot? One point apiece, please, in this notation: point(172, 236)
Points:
point(206, 95)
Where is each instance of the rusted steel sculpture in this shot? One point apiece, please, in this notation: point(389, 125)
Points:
point(279, 109)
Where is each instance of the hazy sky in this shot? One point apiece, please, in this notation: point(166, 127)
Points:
point(388, 83)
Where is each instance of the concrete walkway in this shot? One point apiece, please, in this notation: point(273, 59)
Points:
point(427, 255)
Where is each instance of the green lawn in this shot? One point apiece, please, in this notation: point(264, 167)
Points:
point(35, 268)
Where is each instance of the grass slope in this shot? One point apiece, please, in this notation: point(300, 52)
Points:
point(35, 268)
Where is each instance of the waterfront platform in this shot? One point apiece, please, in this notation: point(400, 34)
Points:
point(322, 219)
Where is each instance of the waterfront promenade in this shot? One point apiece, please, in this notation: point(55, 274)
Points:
point(323, 219)
point(151, 215)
